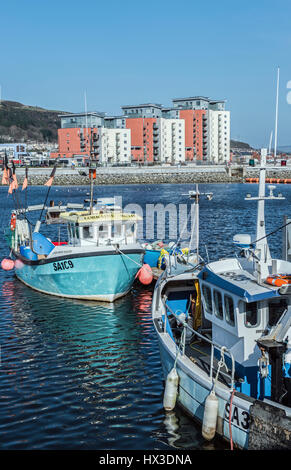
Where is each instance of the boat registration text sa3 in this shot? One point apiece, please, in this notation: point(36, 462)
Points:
point(239, 417)
point(61, 265)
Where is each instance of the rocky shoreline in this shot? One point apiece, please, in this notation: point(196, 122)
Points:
point(151, 176)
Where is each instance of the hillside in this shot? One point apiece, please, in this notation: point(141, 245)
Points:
point(19, 122)
point(239, 145)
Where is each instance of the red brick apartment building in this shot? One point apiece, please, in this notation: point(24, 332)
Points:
point(74, 137)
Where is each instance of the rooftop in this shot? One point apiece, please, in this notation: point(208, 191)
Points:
point(91, 113)
point(146, 105)
point(193, 98)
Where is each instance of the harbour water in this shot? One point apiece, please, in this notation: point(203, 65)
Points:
point(87, 375)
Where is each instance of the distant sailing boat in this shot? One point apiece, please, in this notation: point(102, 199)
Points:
point(276, 117)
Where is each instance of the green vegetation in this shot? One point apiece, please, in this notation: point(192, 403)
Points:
point(241, 145)
point(23, 123)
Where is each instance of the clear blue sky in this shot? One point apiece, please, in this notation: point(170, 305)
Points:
point(130, 52)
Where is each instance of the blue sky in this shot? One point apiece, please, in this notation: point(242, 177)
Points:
point(134, 52)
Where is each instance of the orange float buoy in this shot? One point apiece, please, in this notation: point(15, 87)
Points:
point(278, 280)
point(145, 274)
point(7, 264)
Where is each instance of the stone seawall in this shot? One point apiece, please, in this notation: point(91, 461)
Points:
point(113, 176)
point(74, 180)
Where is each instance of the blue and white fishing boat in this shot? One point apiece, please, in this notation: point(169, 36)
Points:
point(98, 260)
point(224, 331)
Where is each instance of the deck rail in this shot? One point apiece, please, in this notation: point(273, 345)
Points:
point(213, 344)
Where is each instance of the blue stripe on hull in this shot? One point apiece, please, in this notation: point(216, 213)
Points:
point(103, 277)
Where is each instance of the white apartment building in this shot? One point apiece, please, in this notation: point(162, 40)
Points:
point(115, 145)
point(218, 136)
point(171, 140)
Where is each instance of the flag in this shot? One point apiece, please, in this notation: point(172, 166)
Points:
point(51, 178)
point(11, 181)
point(5, 176)
point(14, 176)
point(25, 181)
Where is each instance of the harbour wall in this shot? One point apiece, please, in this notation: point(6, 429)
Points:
point(156, 175)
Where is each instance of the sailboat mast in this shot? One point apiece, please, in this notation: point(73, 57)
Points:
point(276, 117)
point(270, 143)
point(197, 220)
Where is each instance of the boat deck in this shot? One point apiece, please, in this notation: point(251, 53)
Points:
point(157, 272)
point(199, 352)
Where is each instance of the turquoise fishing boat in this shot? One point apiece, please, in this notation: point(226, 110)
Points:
point(98, 260)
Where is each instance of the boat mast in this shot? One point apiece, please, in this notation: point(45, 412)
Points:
point(194, 240)
point(262, 244)
point(262, 252)
point(197, 221)
point(276, 117)
point(270, 143)
point(91, 175)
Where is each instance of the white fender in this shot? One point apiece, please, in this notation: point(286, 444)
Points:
point(210, 416)
point(171, 390)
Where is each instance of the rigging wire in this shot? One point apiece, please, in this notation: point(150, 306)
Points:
point(271, 233)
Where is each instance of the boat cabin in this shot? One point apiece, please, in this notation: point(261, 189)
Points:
point(241, 311)
point(100, 228)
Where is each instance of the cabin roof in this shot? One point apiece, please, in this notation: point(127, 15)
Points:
point(84, 217)
point(240, 283)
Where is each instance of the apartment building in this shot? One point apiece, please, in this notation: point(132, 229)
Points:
point(156, 137)
point(194, 129)
point(204, 138)
point(219, 136)
point(142, 122)
point(171, 133)
point(115, 146)
point(85, 134)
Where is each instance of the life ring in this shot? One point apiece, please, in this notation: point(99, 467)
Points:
point(13, 221)
point(278, 280)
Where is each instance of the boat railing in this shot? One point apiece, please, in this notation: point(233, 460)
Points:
point(212, 344)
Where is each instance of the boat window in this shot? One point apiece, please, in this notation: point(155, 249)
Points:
point(103, 231)
point(229, 309)
point(276, 309)
point(130, 229)
point(218, 308)
point(73, 230)
point(251, 314)
point(207, 298)
point(116, 230)
point(88, 231)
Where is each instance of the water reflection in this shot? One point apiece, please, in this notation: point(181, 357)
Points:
point(87, 375)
